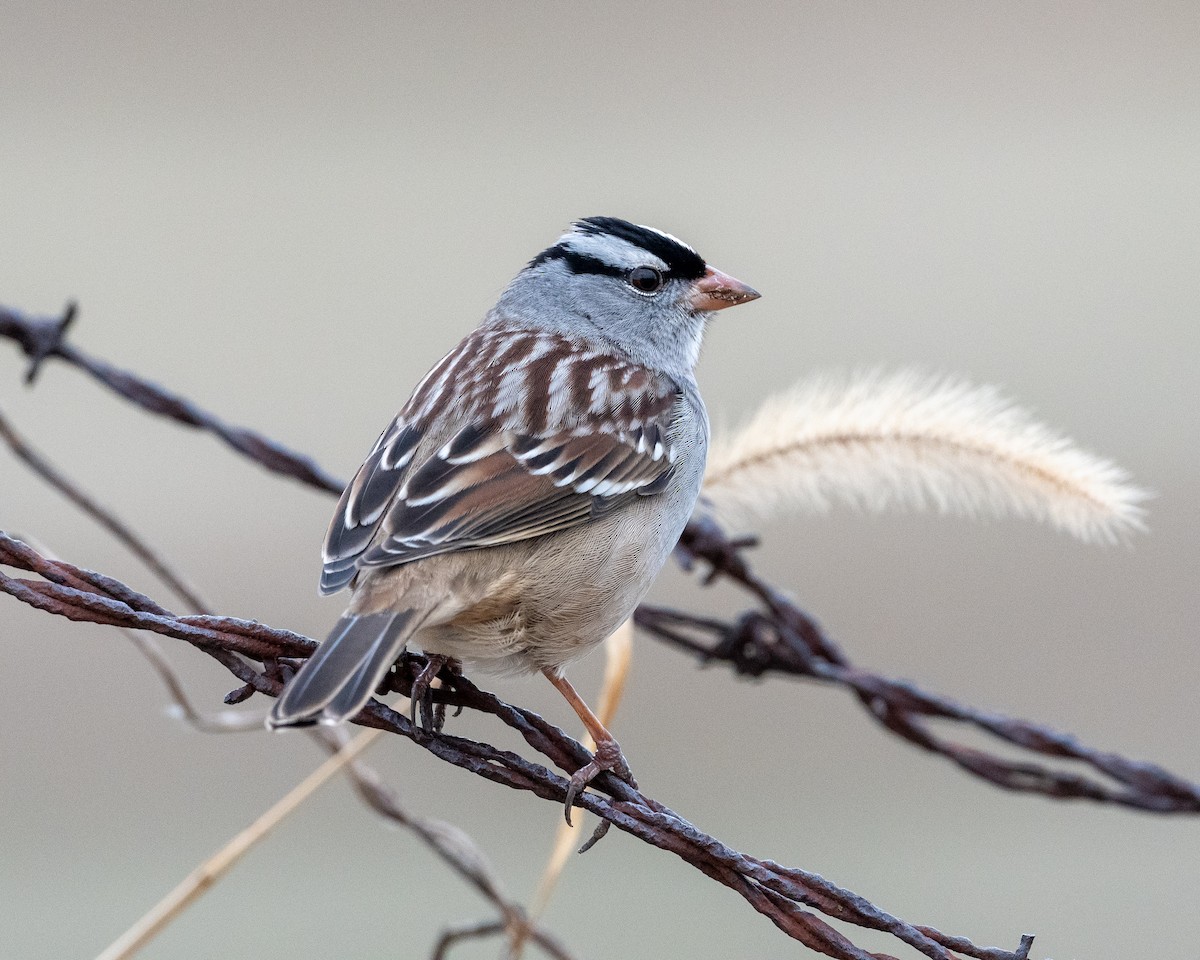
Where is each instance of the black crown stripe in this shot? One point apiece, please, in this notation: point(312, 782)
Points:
point(683, 262)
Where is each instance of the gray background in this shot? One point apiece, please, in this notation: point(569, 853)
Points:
point(288, 211)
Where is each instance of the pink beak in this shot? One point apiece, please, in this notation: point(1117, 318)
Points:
point(717, 290)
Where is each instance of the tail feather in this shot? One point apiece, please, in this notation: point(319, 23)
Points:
point(340, 677)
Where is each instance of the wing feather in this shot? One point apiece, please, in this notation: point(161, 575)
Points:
point(485, 482)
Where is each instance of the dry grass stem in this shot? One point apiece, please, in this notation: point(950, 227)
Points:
point(216, 866)
point(877, 442)
point(618, 656)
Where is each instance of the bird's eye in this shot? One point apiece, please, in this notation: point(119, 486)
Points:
point(645, 279)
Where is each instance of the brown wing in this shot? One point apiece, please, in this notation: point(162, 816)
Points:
point(604, 438)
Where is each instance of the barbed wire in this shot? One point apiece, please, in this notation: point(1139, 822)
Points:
point(779, 893)
point(781, 638)
point(450, 843)
point(777, 636)
point(42, 338)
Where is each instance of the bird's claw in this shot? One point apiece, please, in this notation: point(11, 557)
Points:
point(433, 716)
point(607, 758)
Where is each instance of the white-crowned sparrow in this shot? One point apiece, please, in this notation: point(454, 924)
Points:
point(517, 509)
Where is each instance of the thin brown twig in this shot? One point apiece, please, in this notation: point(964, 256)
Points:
point(224, 721)
point(158, 565)
point(453, 845)
point(218, 721)
point(490, 928)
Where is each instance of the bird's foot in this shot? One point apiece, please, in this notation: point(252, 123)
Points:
point(607, 758)
point(433, 716)
point(449, 674)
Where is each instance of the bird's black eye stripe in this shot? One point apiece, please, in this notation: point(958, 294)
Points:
point(645, 279)
point(642, 279)
point(577, 262)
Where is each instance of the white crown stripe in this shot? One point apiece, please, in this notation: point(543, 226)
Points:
point(669, 236)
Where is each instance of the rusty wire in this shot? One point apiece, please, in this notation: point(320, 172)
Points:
point(779, 893)
point(781, 638)
point(43, 337)
point(778, 638)
point(455, 847)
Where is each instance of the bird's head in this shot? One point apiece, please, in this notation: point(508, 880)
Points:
point(637, 289)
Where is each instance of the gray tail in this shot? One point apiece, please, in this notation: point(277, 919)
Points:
point(340, 677)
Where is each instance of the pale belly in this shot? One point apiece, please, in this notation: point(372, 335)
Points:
point(542, 602)
point(549, 602)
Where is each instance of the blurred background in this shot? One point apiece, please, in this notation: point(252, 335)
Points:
point(288, 211)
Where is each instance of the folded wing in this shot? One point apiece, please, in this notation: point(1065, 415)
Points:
point(490, 482)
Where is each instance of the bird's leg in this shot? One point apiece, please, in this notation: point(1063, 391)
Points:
point(422, 695)
point(454, 669)
point(607, 754)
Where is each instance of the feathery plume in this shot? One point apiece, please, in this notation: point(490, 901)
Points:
point(906, 441)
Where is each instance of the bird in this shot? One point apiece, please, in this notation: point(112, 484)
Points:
point(519, 506)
